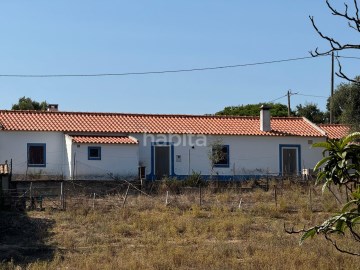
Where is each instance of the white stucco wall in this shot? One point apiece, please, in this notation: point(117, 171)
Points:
point(13, 145)
point(249, 155)
point(117, 160)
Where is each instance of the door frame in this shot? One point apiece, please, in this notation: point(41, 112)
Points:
point(171, 158)
point(297, 147)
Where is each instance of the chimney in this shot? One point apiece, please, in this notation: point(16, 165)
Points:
point(53, 107)
point(265, 118)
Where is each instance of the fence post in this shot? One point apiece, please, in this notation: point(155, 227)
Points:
point(167, 197)
point(32, 202)
point(30, 191)
point(310, 198)
point(240, 203)
point(275, 196)
point(62, 201)
point(40, 202)
point(94, 196)
point(200, 195)
point(126, 194)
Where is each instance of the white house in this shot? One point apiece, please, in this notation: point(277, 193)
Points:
point(78, 145)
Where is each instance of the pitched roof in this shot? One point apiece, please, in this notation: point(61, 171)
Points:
point(104, 139)
point(335, 131)
point(82, 122)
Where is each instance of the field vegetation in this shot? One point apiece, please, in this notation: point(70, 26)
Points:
point(231, 229)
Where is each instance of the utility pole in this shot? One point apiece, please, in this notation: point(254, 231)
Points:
point(288, 95)
point(332, 89)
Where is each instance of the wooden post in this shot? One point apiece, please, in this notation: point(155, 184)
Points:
point(126, 194)
point(30, 192)
point(94, 196)
point(275, 195)
point(240, 203)
point(200, 195)
point(310, 198)
point(32, 199)
point(32, 202)
point(62, 202)
point(40, 202)
point(167, 197)
point(61, 194)
point(288, 96)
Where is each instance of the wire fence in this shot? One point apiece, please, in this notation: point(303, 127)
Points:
point(40, 195)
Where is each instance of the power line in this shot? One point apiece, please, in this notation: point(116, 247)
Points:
point(154, 72)
point(310, 95)
point(277, 98)
point(297, 93)
point(348, 57)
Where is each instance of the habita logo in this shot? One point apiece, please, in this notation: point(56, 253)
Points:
point(187, 139)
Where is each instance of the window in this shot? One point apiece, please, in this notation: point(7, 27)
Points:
point(94, 153)
point(220, 155)
point(36, 153)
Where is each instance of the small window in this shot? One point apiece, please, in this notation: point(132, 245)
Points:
point(221, 156)
point(94, 153)
point(36, 153)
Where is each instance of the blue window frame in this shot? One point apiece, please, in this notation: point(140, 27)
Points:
point(222, 155)
point(36, 155)
point(94, 153)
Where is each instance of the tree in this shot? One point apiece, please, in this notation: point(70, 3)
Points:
point(26, 103)
point(341, 168)
point(277, 109)
point(311, 112)
point(346, 104)
point(217, 153)
point(341, 162)
point(353, 21)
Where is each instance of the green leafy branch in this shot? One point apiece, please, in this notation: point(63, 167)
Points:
point(340, 166)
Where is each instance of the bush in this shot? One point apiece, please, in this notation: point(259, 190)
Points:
point(194, 180)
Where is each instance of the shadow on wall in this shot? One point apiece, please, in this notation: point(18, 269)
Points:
point(22, 239)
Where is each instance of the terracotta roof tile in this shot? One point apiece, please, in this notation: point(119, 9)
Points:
point(153, 123)
point(104, 139)
point(335, 131)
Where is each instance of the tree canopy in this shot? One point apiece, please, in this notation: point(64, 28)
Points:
point(26, 103)
point(346, 104)
point(277, 109)
point(311, 112)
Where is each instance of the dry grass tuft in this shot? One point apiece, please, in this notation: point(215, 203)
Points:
point(147, 234)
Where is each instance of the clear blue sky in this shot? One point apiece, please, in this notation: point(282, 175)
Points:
point(89, 37)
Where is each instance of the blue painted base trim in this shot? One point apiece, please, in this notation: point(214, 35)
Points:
point(150, 177)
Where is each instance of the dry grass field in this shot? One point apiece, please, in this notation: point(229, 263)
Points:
point(147, 234)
